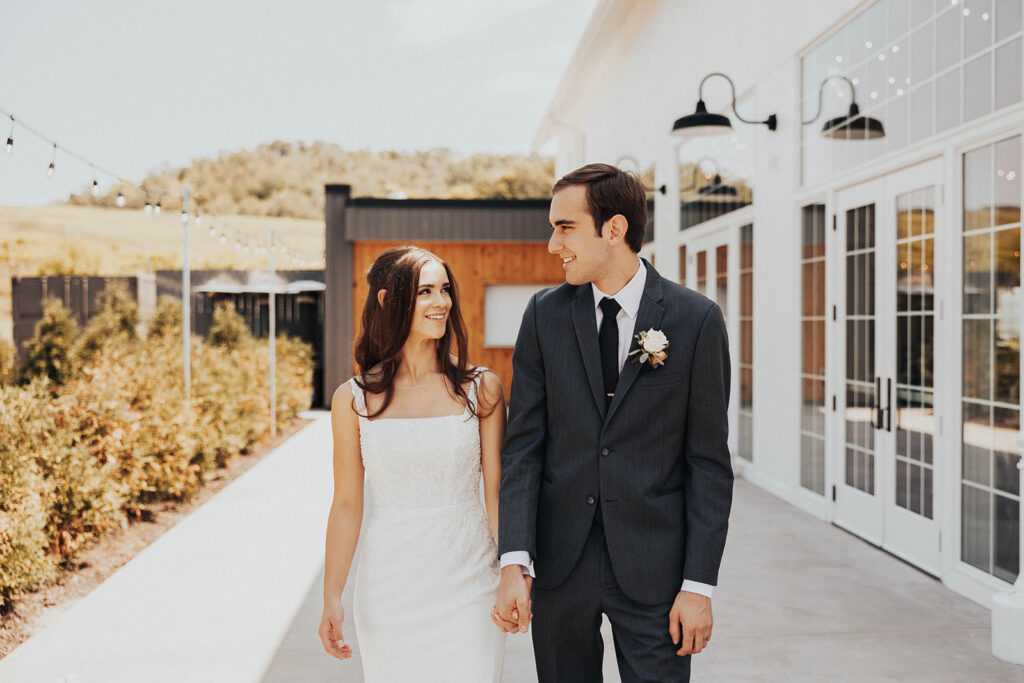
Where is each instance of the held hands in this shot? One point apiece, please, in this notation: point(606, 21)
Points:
point(330, 631)
point(690, 622)
point(512, 611)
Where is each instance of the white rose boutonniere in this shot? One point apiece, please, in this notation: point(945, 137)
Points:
point(652, 348)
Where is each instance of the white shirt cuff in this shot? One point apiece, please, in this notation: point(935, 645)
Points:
point(520, 557)
point(697, 587)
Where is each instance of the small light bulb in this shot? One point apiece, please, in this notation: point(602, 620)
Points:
point(199, 220)
point(53, 162)
point(10, 146)
point(223, 239)
point(157, 209)
point(50, 170)
point(95, 188)
point(148, 208)
point(120, 201)
point(213, 233)
point(238, 245)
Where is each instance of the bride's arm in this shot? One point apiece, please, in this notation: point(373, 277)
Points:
point(346, 513)
point(492, 432)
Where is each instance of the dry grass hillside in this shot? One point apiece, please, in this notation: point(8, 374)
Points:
point(287, 179)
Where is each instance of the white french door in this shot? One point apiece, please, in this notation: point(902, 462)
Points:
point(712, 268)
point(885, 470)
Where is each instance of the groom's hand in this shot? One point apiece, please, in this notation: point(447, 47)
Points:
point(512, 611)
point(690, 622)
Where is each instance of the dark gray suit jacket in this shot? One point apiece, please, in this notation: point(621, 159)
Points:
point(657, 460)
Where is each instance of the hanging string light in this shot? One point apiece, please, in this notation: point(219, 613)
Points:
point(150, 207)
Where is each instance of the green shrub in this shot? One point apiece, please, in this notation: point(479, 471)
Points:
point(83, 458)
point(116, 320)
point(166, 320)
point(50, 351)
point(24, 559)
point(229, 329)
point(8, 363)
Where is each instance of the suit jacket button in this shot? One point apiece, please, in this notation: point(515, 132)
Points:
point(604, 451)
point(590, 500)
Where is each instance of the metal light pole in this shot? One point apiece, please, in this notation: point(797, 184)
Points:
point(273, 340)
point(186, 295)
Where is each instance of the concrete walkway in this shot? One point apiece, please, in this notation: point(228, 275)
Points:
point(233, 593)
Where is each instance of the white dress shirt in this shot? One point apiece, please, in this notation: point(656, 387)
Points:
point(628, 299)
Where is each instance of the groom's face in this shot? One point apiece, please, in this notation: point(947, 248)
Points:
point(585, 255)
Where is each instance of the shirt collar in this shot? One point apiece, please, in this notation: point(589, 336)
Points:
point(629, 296)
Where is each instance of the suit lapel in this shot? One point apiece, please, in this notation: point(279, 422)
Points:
point(648, 316)
point(585, 321)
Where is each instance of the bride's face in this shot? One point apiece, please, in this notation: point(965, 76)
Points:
point(433, 302)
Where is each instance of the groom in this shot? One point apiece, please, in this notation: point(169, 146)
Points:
point(616, 480)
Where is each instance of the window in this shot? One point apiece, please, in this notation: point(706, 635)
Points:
point(746, 365)
point(812, 341)
point(920, 68)
point(504, 306)
point(990, 483)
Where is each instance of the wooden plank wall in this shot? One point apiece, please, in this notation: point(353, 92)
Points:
point(475, 264)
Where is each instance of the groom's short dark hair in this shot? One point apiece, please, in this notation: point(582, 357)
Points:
point(610, 191)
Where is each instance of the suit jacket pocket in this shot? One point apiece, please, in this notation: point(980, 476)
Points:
point(655, 378)
point(667, 492)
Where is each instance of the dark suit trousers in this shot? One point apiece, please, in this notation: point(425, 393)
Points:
point(566, 626)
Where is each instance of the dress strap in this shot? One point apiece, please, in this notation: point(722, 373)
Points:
point(474, 389)
point(358, 396)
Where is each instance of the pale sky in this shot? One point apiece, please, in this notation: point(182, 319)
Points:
point(137, 85)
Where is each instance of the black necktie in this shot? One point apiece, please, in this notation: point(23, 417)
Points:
point(608, 339)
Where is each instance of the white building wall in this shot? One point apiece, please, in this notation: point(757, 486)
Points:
point(638, 69)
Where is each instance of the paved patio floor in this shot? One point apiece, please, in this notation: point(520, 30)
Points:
point(233, 593)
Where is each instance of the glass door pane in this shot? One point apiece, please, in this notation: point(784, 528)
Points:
point(915, 333)
point(861, 381)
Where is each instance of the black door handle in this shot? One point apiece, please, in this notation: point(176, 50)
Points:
point(888, 407)
point(876, 419)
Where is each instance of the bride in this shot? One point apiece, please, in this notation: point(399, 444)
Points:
point(423, 427)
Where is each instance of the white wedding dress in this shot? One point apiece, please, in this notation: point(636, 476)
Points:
point(428, 567)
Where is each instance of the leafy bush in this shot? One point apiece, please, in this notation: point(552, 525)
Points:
point(8, 363)
point(50, 351)
point(24, 560)
point(116, 321)
point(229, 329)
point(166, 320)
point(80, 459)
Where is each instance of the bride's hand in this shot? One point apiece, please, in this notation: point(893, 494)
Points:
point(330, 632)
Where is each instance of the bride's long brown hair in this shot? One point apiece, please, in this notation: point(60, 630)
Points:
point(385, 329)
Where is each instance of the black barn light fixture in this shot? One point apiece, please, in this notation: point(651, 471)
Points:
point(853, 126)
point(701, 122)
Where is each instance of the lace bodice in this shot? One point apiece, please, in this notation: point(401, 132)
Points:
point(425, 462)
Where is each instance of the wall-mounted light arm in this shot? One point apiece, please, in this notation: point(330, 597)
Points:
point(821, 90)
point(853, 126)
point(636, 168)
point(771, 121)
point(701, 122)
